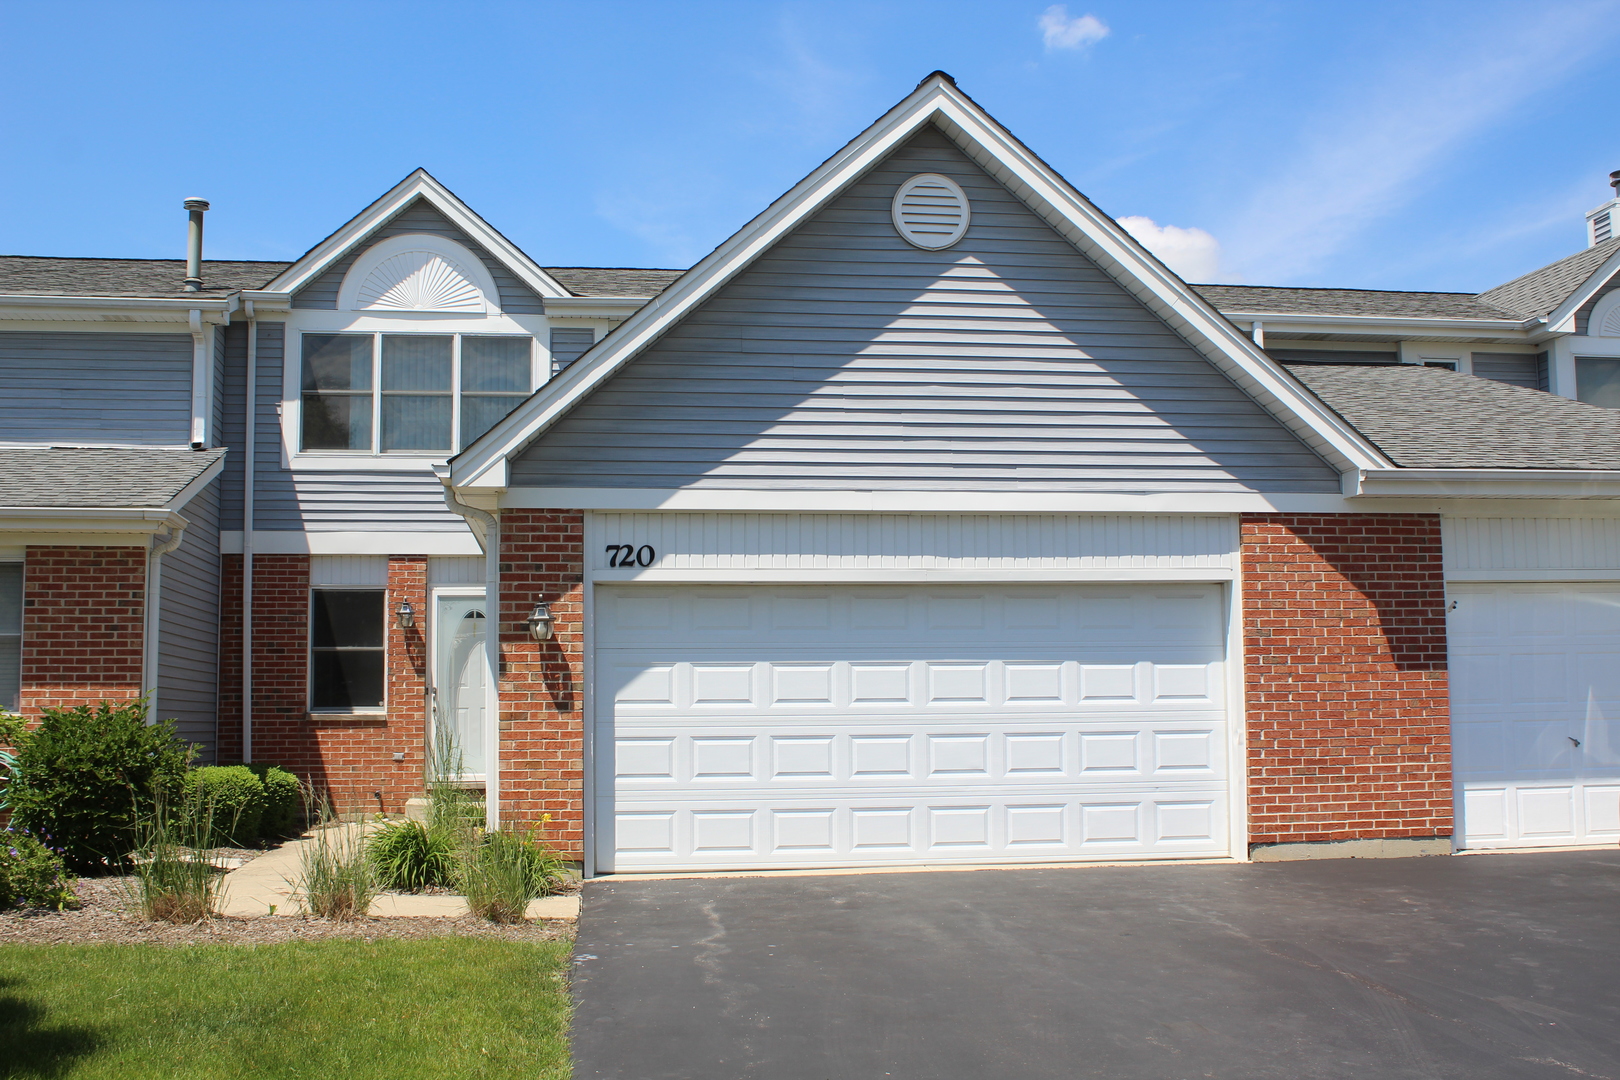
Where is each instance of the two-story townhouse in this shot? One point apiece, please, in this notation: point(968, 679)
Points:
point(928, 519)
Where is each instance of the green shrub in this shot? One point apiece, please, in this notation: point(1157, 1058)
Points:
point(229, 796)
point(281, 801)
point(507, 870)
point(412, 856)
point(31, 874)
point(86, 776)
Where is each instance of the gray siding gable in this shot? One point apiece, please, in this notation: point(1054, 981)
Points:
point(420, 216)
point(846, 359)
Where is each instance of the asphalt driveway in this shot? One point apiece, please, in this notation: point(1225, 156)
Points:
point(1480, 967)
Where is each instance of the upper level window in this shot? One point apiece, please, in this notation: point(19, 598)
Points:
point(1597, 380)
point(410, 393)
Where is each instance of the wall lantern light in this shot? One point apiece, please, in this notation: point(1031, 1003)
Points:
point(405, 615)
point(541, 623)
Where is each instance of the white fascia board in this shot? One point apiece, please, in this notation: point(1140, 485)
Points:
point(216, 310)
point(594, 307)
point(1100, 237)
point(142, 521)
point(1492, 483)
point(1279, 323)
point(419, 184)
point(190, 491)
point(1562, 318)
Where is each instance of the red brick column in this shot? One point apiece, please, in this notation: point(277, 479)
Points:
point(280, 662)
point(1345, 671)
point(84, 622)
point(407, 685)
point(542, 743)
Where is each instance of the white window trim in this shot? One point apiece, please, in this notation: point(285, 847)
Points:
point(325, 321)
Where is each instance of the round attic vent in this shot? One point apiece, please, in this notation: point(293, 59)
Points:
point(930, 211)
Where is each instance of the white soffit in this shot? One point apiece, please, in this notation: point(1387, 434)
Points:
point(1099, 237)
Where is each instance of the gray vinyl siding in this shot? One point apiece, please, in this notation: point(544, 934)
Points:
point(188, 625)
point(844, 358)
point(316, 501)
point(96, 387)
point(1333, 356)
point(568, 345)
point(1515, 369)
point(421, 217)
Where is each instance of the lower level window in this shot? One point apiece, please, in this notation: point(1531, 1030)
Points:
point(346, 649)
point(11, 589)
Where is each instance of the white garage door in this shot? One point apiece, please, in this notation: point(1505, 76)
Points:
point(804, 726)
point(1535, 706)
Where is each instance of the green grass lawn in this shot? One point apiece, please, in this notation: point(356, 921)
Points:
point(334, 1010)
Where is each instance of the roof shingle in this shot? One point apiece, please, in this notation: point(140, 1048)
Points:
point(1430, 418)
point(613, 280)
point(1372, 302)
point(1540, 291)
point(38, 275)
point(71, 477)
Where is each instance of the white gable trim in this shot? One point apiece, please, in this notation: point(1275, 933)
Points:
point(418, 185)
point(1562, 319)
point(937, 101)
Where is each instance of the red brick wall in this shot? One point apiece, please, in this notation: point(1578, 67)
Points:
point(1345, 677)
point(84, 621)
point(541, 684)
point(350, 755)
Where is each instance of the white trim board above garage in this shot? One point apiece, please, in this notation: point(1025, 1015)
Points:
point(1182, 320)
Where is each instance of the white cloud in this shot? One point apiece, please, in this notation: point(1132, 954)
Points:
point(1062, 32)
point(1192, 253)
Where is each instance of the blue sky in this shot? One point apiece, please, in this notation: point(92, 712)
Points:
point(1439, 145)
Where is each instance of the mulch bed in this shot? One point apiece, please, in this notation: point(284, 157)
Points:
point(106, 917)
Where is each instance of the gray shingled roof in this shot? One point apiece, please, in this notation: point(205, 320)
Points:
point(612, 280)
point(1430, 418)
point(1375, 302)
point(1540, 291)
point(37, 275)
point(62, 477)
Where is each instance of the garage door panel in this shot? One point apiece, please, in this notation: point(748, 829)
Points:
point(779, 760)
point(1535, 704)
point(957, 829)
point(638, 684)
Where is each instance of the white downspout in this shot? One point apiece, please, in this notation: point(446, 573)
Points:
point(489, 537)
point(202, 380)
point(249, 468)
point(154, 588)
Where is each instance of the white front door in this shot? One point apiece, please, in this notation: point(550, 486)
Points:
point(460, 678)
point(1535, 710)
point(847, 725)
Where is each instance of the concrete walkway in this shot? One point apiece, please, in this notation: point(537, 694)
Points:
point(267, 886)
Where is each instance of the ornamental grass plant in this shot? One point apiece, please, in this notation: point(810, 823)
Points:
point(505, 871)
point(176, 871)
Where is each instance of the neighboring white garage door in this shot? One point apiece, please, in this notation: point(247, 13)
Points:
point(1535, 705)
point(802, 726)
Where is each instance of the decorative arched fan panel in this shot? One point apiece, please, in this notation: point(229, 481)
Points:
point(419, 281)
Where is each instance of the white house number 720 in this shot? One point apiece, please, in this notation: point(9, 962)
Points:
point(630, 555)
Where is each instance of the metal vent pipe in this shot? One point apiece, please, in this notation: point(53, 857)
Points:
point(194, 244)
